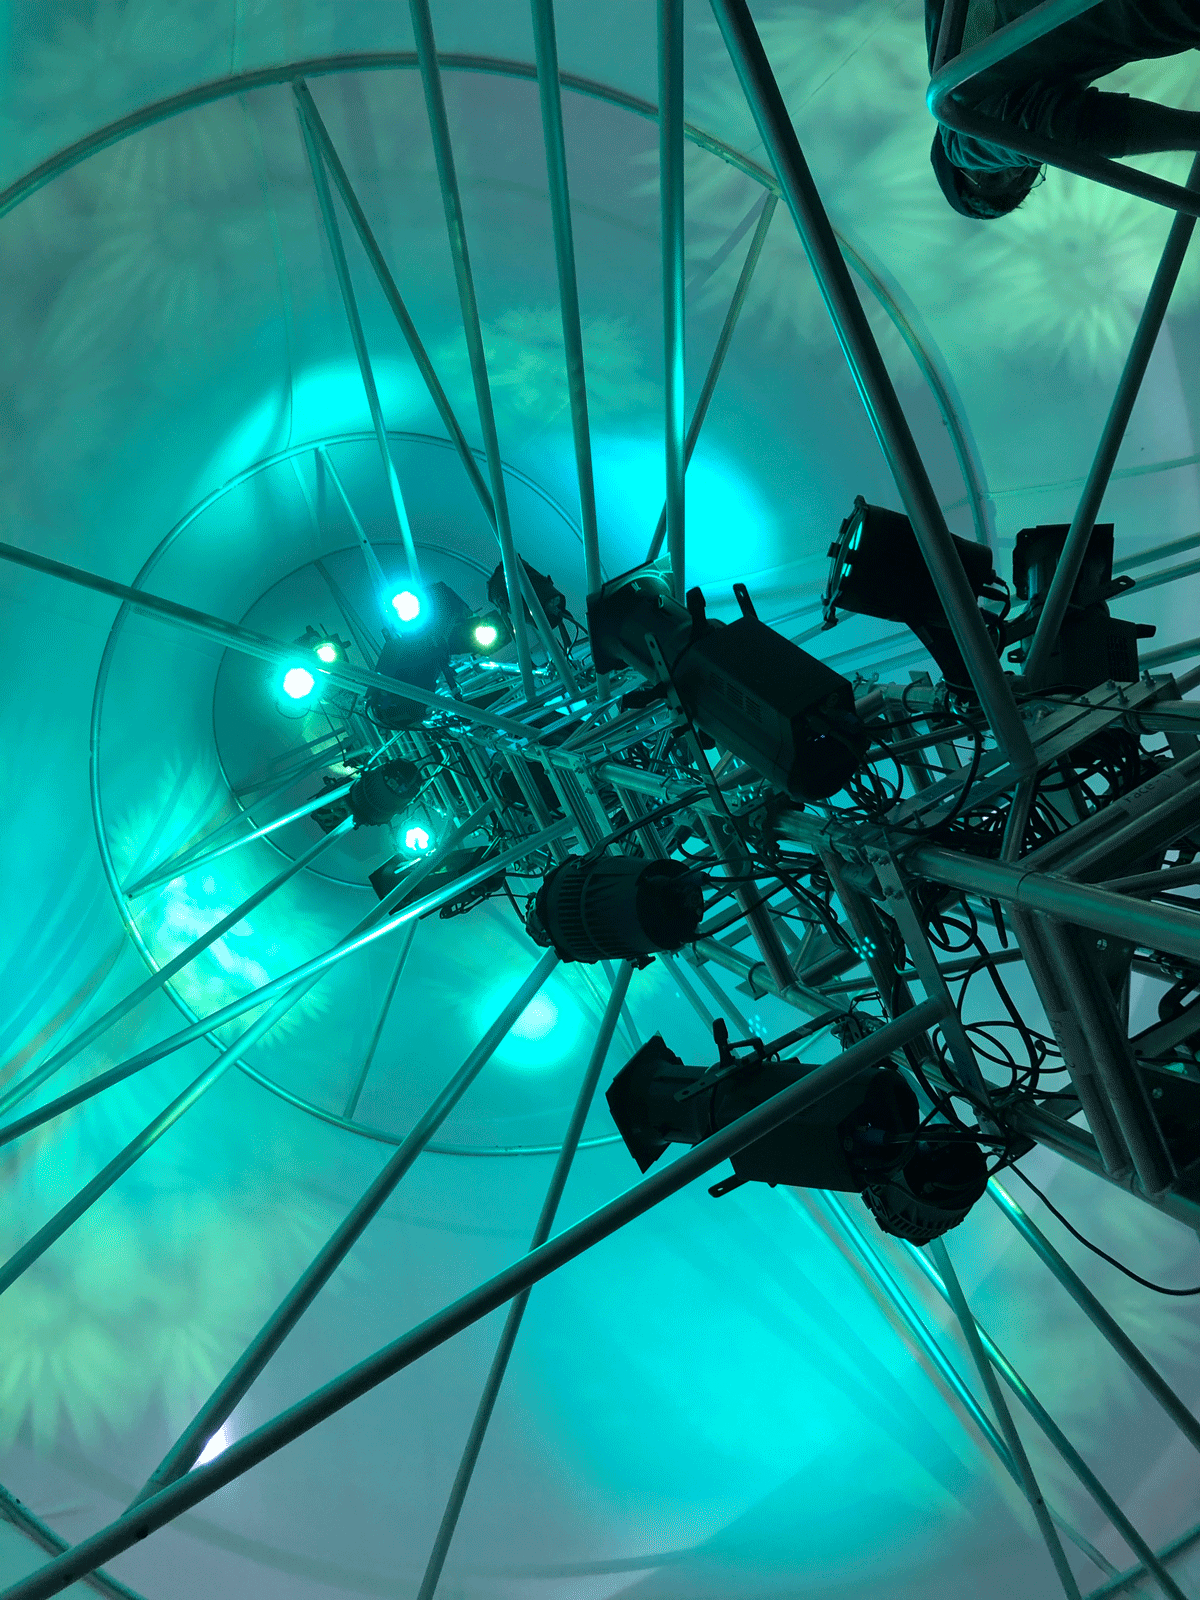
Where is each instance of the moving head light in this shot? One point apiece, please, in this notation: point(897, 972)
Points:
point(782, 711)
point(864, 1137)
point(416, 653)
point(616, 908)
point(383, 792)
point(877, 570)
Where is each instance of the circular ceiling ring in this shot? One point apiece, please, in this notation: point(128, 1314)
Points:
point(299, 1102)
point(904, 315)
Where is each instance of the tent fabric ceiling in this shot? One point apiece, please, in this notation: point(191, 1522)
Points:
point(712, 1403)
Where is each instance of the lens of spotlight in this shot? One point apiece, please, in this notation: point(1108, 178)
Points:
point(417, 839)
point(327, 652)
point(298, 682)
point(406, 605)
point(486, 635)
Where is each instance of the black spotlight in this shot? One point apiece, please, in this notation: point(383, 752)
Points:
point(416, 651)
point(616, 907)
point(554, 602)
point(482, 634)
point(383, 792)
point(864, 1137)
point(785, 713)
point(1092, 647)
point(877, 570)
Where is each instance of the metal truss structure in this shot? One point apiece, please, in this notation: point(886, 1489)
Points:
point(982, 829)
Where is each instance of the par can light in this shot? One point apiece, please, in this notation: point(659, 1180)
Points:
point(382, 793)
point(616, 908)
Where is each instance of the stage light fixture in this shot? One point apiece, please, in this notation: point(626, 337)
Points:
point(407, 605)
point(877, 570)
point(785, 713)
point(864, 1137)
point(328, 652)
point(381, 794)
point(552, 599)
point(298, 683)
point(1092, 647)
point(483, 633)
point(417, 655)
point(416, 839)
point(616, 908)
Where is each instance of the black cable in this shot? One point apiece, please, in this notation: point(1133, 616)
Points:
point(1095, 1248)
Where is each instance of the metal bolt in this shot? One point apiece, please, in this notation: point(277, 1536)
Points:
point(1157, 1094)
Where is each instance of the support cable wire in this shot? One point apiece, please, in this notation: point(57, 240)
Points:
point(1158, 1288)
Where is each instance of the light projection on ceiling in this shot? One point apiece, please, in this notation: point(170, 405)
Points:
point(804, 1049)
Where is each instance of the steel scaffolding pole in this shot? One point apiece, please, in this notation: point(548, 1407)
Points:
point(279, 784)
point(341, 267)
point(1161, 927)
point(719, 353)
point(874, 384)
point(201, 858)
point(34, 1080)
point(545, 47)
point(377, 1032)
point(670, 181)
point(1033, 1493)
point(139, 1521)
point(1105, 1324)
point(371, 927)
point(220, 1404)
point(233, 637)
point(516, 1309)
point(456, 232)
point(378, 579)
point(67, 1215)
point(1059, 1442)
point(1058, 597)
point(891, 1287)
point(997, 47)
point(437, 394)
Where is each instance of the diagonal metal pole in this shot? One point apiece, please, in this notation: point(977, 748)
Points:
point(246, 640)
point(550, 92)
point(67, 1215)
point(372, 926)
point(220, 1404)
point(877, 1268)
point(141, 1520)
point(342, 268)
point(273, 787)
point(1102, 1320)
point(437, 394)
point(201, 858)
point(670, 183)
point(874, 384)
point(1033, 1493)
point(720, 351)
point(516, 1310)
point(377, 1033)
point(1066, 1450)
point(378, 580)
point(1058, 597)
point(34, 1080)
point(443, 153)
point(308, 758)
